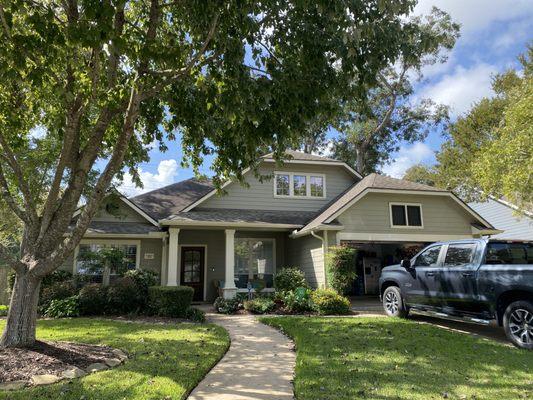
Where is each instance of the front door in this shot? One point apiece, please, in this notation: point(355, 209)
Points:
point(192, 270)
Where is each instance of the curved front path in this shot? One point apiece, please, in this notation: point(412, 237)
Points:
point(258, 365)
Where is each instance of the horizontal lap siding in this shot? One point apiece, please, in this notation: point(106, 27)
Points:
point(307, 254)
point(441, 215)
point(260, 195)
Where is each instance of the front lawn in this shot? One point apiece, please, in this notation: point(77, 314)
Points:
point(386, 358)
point(166, 361)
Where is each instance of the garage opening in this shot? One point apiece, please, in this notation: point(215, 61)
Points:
point(372, 257)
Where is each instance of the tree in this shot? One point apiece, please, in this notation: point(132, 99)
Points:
point(489, 150)
point(92, 83)
point(421, 174)
point(373, 127)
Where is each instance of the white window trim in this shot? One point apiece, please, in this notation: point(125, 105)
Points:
point(274, 265)
point(406, 216)
point(107, 242)
point(307, 185)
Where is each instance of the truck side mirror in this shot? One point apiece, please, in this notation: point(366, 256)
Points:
point(406, 263)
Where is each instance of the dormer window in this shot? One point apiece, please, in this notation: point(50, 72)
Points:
point(300, 185)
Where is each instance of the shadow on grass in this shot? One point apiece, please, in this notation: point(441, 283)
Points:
point(165, 360)
point(383, 358)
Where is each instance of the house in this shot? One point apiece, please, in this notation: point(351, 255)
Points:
point(190, 235)
point(503, 215)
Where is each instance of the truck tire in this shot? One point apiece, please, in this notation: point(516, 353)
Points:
point(518, 324)
point(393, 303)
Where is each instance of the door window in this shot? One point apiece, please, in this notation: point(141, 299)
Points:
point(192, 266)
point(459, 254)
point(429, 257)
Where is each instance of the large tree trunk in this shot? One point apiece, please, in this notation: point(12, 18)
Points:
point(21, 319)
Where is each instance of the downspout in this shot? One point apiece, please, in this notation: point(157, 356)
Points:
point(324, 251)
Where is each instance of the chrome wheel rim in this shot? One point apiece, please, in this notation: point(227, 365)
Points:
point(521, 325)
point(392, 302)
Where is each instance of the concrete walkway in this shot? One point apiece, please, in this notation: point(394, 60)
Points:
point(258, 365)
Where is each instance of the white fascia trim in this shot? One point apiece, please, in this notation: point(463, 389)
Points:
point(398, 237)
point(477, 231)
point(152, 235)
point(337, 164)
point(414, 192)
point(228, 224)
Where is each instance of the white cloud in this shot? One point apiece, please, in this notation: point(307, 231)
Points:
point(167, 170)
point(407, 157)
point(475, 15)
point(461, 88)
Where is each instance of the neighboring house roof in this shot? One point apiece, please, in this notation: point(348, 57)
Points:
point(376, 182)
point(294, 219)
point(503, 216)
point(166, 201)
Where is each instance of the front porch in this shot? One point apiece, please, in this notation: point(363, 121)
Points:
point(223, 261)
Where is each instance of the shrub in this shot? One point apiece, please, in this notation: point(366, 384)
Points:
point(170, 301)
point(195, 315)
point(289, 279)
point(143, 278)
point(260, 305)
point(341, 268)
point(58, 290)
point(123, 296)
point(93, 299)
point(63, 308)
point(328, 301)
point(297, 301)
point(49, 280)
point(3, 310)
point(227, 306)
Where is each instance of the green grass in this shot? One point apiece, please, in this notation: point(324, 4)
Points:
point(387, 358)
point(166, 361)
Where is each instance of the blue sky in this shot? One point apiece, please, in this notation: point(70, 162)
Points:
point(493, 34)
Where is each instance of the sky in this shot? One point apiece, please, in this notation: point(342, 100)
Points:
point(493, 34)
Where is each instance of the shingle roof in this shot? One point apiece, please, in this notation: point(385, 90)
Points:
point(296, 218)
point(133, 228)
point(372, 181)
point(171, 199)
point(301, 156)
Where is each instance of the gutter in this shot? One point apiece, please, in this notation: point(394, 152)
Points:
point(322, 227)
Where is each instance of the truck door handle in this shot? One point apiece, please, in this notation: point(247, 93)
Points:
point(467, 274)
point(430, 273)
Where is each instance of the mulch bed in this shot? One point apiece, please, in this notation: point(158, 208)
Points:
point(49, 358)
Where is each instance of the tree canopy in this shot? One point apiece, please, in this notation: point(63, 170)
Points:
point(86, 86)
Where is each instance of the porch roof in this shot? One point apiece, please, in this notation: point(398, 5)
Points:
point(287, 219)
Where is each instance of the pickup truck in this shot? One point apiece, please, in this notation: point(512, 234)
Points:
point(480, 280)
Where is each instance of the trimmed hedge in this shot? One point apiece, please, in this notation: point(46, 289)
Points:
point(328, 302)
point(289, 279)
point(93, 299)
point(123, 296)
point(170, 301)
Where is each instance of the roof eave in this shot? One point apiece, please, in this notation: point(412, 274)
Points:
point(321, 227)
point(228, 224)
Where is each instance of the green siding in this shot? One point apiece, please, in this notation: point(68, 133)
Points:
point(306, 253)
point(260, 195)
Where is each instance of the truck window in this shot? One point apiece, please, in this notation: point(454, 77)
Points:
point(509, 253)
point(459, 254)
point(429, 257)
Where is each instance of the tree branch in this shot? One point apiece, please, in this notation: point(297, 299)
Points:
point(9, 199)
point(5, 26)
point(7, 257)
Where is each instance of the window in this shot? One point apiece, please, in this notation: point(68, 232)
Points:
point(88, 263)
point(317, 186)
point(406, 215)
point(295, 184)
point(300, 185)
point(459, 254)
point(282, 185)
point(254, 262)
point(429, 257)
point(509, 253)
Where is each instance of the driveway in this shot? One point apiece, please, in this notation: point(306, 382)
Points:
point(368, 305)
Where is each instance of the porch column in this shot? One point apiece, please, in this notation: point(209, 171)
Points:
point(172, 266)
point(229, 289)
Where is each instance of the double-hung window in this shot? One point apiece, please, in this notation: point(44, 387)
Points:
point(406, 215)
point(254, 262)
point(299, 185)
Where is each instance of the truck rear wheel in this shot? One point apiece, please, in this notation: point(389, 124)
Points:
point(393, 303)
point(518, 324)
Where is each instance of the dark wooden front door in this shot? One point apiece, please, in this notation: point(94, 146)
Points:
point(192, 270)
